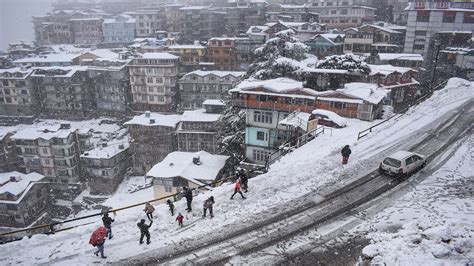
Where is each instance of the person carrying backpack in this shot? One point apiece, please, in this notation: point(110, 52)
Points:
point(144, 231)
point(171, 206)
point(98, 240)
point(208, 205)
point(149, 209)
point(345, 152)
point(108, 224)
point(237, 190)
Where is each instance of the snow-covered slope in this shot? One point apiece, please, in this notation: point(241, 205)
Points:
point(313, 167)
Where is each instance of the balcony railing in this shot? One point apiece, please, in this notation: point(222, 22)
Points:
point(278, 106)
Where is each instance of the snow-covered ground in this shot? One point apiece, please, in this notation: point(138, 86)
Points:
point(434, 222)
point(313, 167)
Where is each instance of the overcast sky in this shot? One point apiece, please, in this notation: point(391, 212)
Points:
point(15, 19)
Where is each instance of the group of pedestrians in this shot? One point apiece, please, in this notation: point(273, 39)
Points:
point(99, 236)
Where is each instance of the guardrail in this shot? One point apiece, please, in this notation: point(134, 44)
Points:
point(50, 228)
point(365, 132)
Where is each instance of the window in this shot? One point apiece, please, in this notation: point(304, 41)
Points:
point(423, 16)
point(105, 173)
point(263, 117)
point(420, 33)
point(449, 16)
point(468, 17)
point(5, 83)
point(168, 189)
point(260, 135)
point(338, 105)
point(260, 155)
point(149, 80)
point(418, 47)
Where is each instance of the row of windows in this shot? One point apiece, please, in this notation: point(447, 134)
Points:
point(448, 16)
point(263, 117)
point(260, 155)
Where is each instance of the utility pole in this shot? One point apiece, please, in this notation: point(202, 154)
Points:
point(437, 46)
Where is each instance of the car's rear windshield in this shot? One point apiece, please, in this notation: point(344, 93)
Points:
point(392, 162)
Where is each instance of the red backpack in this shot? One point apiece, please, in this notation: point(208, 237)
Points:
point(98, 236)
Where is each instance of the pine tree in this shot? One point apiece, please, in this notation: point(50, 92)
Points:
point(281, 56)
point(231, 132)
point(348, 62)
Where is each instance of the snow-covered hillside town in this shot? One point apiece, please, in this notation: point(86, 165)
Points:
point(247, 132)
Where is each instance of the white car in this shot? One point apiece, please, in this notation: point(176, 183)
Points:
point(402, 163)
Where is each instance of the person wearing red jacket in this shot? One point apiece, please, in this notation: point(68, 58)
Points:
point(237, 190)
point(180, 218)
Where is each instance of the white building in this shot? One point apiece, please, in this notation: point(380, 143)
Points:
point(153, 78)
point(425, 18)
point(120, 29)
point(186, 169)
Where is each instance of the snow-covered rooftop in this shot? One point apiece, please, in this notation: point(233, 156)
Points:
point(48, 58)
point(341, 121)
point(186, 46)
point(199, 115)
point(213, 102)
point(44, 132)
point(106, 152)
point(410, 57)
point(159, 120)
point(278, 85)
point(159, 56)
point(216, 73)
point(387, 69)
point(181, 164)
point(17, 187)
point(366, 91)
point(105, 53)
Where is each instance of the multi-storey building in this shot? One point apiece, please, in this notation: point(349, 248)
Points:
point(153, 78)
point(373, 38)
point(173, 18)
point(151, 139)
point(326, 44)
point(293, 13)
point(190, 55)
point(53, 28)
point(197, 86)
point(201, 23)
point(425, 18)
point(266, 104)
point(64, 91)
point(343, 13)
point(16, 92)
point(197, 131)
point(120, 29)
point(111, 82)
point(104, 167)
point(147, 22)
point(23, 198)
point(51, 151)
point(9, 160)
point(223, 53)
point(87, 30)
point(57, 27)
point(242, 15)
point(47, 60)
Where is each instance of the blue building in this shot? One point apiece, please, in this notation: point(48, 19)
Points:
point(120, 29)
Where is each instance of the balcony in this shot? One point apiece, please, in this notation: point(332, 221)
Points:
point(273, 106)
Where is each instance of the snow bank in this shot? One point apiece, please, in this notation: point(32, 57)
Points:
point(341, 121)
point(440, 215)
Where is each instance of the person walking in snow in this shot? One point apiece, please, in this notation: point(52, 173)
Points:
point(345, 152)
point(208, 204)
point(244, 179)
point(171, 206)
point(108, 224)
point(188, 194)
point(237, 190)
point(98, 240)
point(149, 209)
point(180, 218)
point(144, 231)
